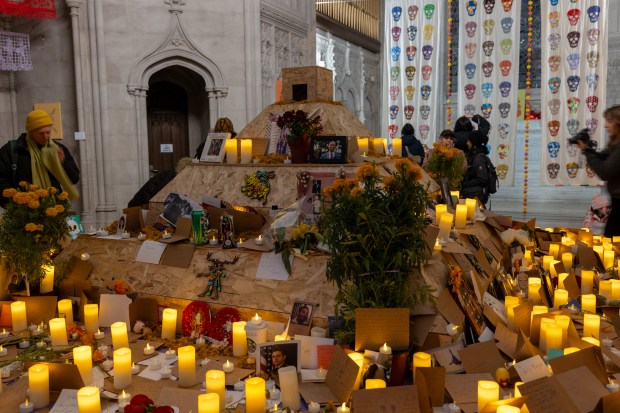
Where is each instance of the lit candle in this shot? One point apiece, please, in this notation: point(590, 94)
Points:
point(517, 391)
point(377, 145)
point(564, 322)
point(385, 352)
point(24, 343)
point(546, 262)
point(538, 309)
point(528, 256)
point(560, 297)
point(47, 283)
point(439, 210)
point(256, 319)
point(289, 384)
point(39, 385)
point(604, 288)
point(552, 270)
point(461, 216)
point(533, 285)
point(89, 401)
point(343, 409)
point(615, 289)
point(99, 335)
point(567, 260)
point(362, 144)
point(471, 207)
point(239, 340)
point(420, 359)
point(554, 249)
point(612, 386)
point(281, 337)
point(141, 236)
point(18, 316)
point(554, 337)
point(592, 341)
point(588, 303)
point(321, 373)
point(385, 145)
point(255, 395)
point(259, 240)
point(453, 408)
point(508, 409)
point(3, 351)
point(65, 309)
point(149, 349)
point(314, 407)
point(170, 354)
point(561, 277)
point(122, 368)
point(135, 369)
point(231, 150)
point(608, 259)
point(209, 403)
point(26, 407)
point(375, 384)
point(169, 324)
point(91, 317)
point(445, 225)
point(246, 150)
point(318, 332)
point(83, 359)
point(216, 383)
point(591, 325)
point(58, 332)
point(587, 281)
point(4, 333)
point(358, 358)
point(213, 241)
point(397, 146)
point(187, 366)
point(119, 335)
point(488, 392)
point(599, 250)
point(510, 302)
point(124, 399)
point(228, 367)
point(570, 350)
point(542, 342)
point(166, 235)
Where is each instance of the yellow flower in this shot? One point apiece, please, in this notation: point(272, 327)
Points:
point(21, 198)
point(366, 171)
point(63, 195)
point(60, 208)
point(33, 204)
point(403, 164)
point(327, 192)
point(41, 193)
point(33, 227)
point(51, 212)
point(53, 190)
point(300, 231)
point(9, 192)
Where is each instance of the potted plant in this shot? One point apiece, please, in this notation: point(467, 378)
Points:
point(374, 227)
point(299, 129)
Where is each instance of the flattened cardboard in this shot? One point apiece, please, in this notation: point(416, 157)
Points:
point(181, 233)
point(401, 399)
point(243, 221)
point(523, 317)
point(587, 257)
point(430, 236)
point(570, 285)
point(134, 220)
point(482, 259)
point(77, 280)
point(609, 403)
point(532, 369)
point(178, 255)
point(113, 308)
point(506, 340)
point(449, 308)
point(62, 375)
point(39, 309)
point(464, 387)
point(490, 246)
point(582, 388)
point(455, 248)
point(525, 348)
point(143, 309)
point(376, 326)
point(546, 395)
point(481, 358)
point(431, 383)
point(590, 357)
point(492, 407)
point(324, 355)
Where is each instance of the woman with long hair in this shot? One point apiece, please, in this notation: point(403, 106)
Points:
point(411, 145)
point(475, 182)
point(606, 164)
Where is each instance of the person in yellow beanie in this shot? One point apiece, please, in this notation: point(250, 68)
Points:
point(35, 158)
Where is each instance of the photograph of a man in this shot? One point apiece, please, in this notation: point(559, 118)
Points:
point(332, 151)
point(275, 355)
point(301, 314)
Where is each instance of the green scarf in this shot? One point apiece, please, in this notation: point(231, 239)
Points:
point(46, 159)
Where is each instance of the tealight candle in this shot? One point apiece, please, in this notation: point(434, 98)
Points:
point(200, 341)
point(141, 236)
point(3, 351)
point(256, 319)
point(454, 408)
point(213, 241)
point(165, 372)
point(24, 344)
point(228, 367)
point(274, 394)
point(612, 386)
point(314, 407)
point(149, 349)
point(5, 372)
point(107, 364)
point(126, 235)
point(4, 333)
point(321, 373)
point(288, 161)
point(170, 354)
point(259, 240)
point(385, 352)
point(99, 335)
point(343, 409)
point(488, 391)
point(239, 385)
point(166, 235)
point(26, 407)
point(85, 256)
point(135, 369)
point(155, 364)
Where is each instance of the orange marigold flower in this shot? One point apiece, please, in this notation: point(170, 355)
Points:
point(9, 192)
point(404, 164)
point(63, 195)
point(327, 191)
point(21, 198)
point(33, 187)
point(366, 171)
point(23, 184)
point(60, 208)
point(120, 287)
point(41, 193)
point(357, 191)
point(51, 212)
point(53, 190)
point(97, 356)
point(32, 204)
point(31, 227)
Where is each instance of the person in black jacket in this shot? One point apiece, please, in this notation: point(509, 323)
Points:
point(475, 182)
point(464, 127)
point(606, 164)
point(36, 159)
point(156, 184)
point(411, 145)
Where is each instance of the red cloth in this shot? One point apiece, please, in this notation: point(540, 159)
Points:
point(32, 9)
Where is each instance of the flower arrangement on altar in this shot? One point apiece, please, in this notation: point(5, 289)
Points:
point(447, 163)
point(298, 123)
point(33, 224)
point(296, 240)
point(374, 227)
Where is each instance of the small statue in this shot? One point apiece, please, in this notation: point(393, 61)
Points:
point(214, 276)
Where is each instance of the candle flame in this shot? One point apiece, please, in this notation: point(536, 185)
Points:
point(123, 393)
point(363, 153)
point(98, 331)
point(27, 402)
point(4, 331)
point(612, 382)
point(385, 346)
point(256, 314)
point(260, 237)
point(344, 405)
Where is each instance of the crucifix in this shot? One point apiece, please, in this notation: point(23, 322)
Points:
point(214, 276)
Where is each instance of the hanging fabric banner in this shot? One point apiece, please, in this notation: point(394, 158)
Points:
point(574, 74)
point(15, 51)
point(32, 9)
point(488, 74)
point(413, 47)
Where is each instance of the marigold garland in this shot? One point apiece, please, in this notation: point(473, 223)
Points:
point(528, 108)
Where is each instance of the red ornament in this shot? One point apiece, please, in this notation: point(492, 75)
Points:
point(196, 319)
point(221, 327)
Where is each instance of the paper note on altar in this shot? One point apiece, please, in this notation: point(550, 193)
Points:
point(113, 308)
point(66, 403)
point(150, 252)
point(532, 369)
point(271, 267)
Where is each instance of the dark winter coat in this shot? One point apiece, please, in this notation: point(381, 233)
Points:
point(412, 146)
point(475, 182)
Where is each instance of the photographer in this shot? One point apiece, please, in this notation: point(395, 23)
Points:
point(606, 164)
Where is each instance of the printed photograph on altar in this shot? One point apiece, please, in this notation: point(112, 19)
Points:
point(310, 192)
point(301, 318)
point(177, 206)
point(328, 149)
point(277, 354)
point(214, 148)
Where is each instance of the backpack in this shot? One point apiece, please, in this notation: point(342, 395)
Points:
point(492, 179)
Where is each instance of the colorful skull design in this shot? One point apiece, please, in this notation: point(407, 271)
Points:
point(504, 89)
point(425, 111)
point(409, 109)
point(394, 111)
point(394, 73)
point(489, 5)
point(592, 80)
point(427, 51)
point(429, 9)
point(554, 2)
point(487, 89)
point(395, 52)
point(412, 11)
point(507, 5)
point(573, 60)
point(572, 168)
point(396, 12)
point(553, 169)
point(411, 51)
point(409, 91)
point(554, 63)
point(573, 39)
point(424, 130)
point(502, 150)
point(592, 102)
point(573, 83)
point(573, 16)
point(573, 105)
point(589, 171)
point(554, 84)
point(396, 33)
point(393, 130)
point(394, 92)
point(554, 127)
point(469, 109)
point(488, 26)
point(470, 28)
point(554, 106)
point(486, 109)
point(471, 6)
point(505, 66)
point(412, 32)
point(504, 130)
point(470, 50)
point(553, 148)
point(572, 125)
point(425, 91)
point(554, 40)
point(572, 150)
point(426, 72)
point(410, 72)
point(502, 171)
point(506, 23)
point(504, 109)
point(506, 45)
point(470, 91)
point(487, 69)
point(593, 36)
point(487, 47)
point(592, 58)
point(554, 19)
point(593, 13)
point(428, 31)
point(592, 124)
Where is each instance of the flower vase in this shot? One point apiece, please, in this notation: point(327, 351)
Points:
point(300, 148)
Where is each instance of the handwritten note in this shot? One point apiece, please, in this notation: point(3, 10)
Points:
point(497, 306)
point(66, 403)
point(532, 369)
point(150, 252)
point(271, 267)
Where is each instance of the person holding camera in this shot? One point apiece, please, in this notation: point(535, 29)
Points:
point(606, 164)
point(464, 127)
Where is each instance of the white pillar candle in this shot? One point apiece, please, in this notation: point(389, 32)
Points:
point(420, 359)
point(552, 269)
point(187, 366)
point(47, 283)
point(240, 343)
point(119, 335)
point(538, 309)
point(256, 333)
point(209, 403)
point(91, 317)
point(604, 288)
point(461, 216)
point(546, 262)
point(533, 285)
point(246, 150)
point(215, 381)
point(18, 316)
point(542, 342)
point(560, 297)
point(592, 340)
point(397, 147)
point(588, 303)
point(169, 324)
point(510, 302)
point(39, 385)
point(554, 250)
point(375, 384)
point(599, 250)
point(362, 144)
point(608, 259)
point(567, 260)
point(385, 352)
point(615, 289)
point(89, 400)
point(289, 384)
point(231, 150)
point(445, 225)
point(83, 359)
point(488, 392)
point(587, 281)
point(471, 207)
point(554, 337)
point(122, 368)
point(591, 325)
point(318, 332)
point(508, 409)
point(255, 395)
point(377, 146)
point(358, 358)
point(58, 332)
point(439, 210)
point(65, 309)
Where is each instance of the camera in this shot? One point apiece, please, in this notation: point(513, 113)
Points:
point(583, 136)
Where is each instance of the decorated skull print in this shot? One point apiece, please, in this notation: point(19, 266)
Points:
point(572, 169)
point(573, 39)
point(486, 109)
point(412, 31)
point(572, 150)
point(554, 84)
point(504, 89)
point(593, 35)
point(425, 111)
point(411, 51)
point(428, 31)
point(393, 130)
point(429, 9)
point(409, 109)
point(488, 26)
point(592, 102)
point(394, 111)
point(487, 47)
point(394, 73)
point(505, 66)
point(553, 148)
point(487, 89)
point(470, 28)
point(553, 127)
point(471, 6)
point(573, 83)
point(396, 33)
point(394, 92)
point(504, 130)
point(573, 105)
point(424, 130)
point(502, 150)
point(592, 80)
point(572, 125)
point(426, 72)
point(487, 69)
point(554, 63)
point(592, 58)
point(504, 109)
point(396, 12)
point(470, 90)
point(554, 106)
point(554, 2)
point(592, 124)
point(395, 52)
point(573, 16)
point(506, 23)
point(506, 46)
point(554, 19)
point(410, 72)
point(502, 171)
point(554, 41)
point(573, 60)
point(489, 5)
point(470, 50)
point(507, 5)
point(469, 109)
point(412, 11)
point(427, 51)
point(553, 169)
point(425, 91)
point(593, 13)
point(409, 91)
point(589, 171)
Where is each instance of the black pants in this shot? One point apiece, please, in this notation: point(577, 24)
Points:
point(613, 222)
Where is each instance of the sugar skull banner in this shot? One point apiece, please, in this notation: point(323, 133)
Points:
point(32, 9)
point(413, 48)
point(15, 51)
point(488, 74)
point(574, 73)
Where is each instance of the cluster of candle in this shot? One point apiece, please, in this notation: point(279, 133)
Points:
point(445, 219)
point(238, 151)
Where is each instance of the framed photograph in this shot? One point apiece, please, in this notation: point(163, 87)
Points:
point(177, 206)
point(328, 149)
point(310, 192)
point(122, 224)
point(276, 354)
point(445, 194)
point(214, 150)
point(276, 137)
point(301, 319)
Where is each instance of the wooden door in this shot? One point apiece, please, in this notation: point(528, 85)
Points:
point(168, 139)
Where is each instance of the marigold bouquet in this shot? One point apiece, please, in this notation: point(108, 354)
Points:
point(298, 123)
point(447, 163)
point(33, 224)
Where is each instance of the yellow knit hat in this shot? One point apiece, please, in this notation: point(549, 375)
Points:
point(37, 119)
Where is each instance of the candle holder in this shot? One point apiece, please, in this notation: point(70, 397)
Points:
point(4, 333)
point(141, 237)
point(228, 367)
point(99, 335)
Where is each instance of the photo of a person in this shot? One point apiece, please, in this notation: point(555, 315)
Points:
point(301, 318)
point(302, 315)
point(122, 221)
point(333, 151)
point(275, 355)
point(215, 147)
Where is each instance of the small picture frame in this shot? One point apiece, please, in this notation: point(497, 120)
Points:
point(301, 319)
point(276, 354)
point(214, 148)
point(122, 224)
point(328, 149)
